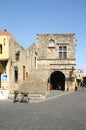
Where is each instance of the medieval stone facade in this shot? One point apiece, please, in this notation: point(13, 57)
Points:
point(49, 63)
point(53, 56)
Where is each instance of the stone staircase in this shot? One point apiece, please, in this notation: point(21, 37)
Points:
point(35, 84)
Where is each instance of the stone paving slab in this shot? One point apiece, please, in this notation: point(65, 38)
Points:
point(66, 112)
point(51, 95)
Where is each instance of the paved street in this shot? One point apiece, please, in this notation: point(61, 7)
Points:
point(61, 111)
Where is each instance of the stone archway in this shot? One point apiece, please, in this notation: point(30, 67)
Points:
point(57, 80)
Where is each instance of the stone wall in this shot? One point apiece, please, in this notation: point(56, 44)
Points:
point(47, 46)
point(44, 51)
point(43, 59)
point(21, 63)
point(48, 57)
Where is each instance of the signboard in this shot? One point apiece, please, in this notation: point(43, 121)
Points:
point(4, 78)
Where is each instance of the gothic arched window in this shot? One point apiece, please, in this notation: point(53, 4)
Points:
point(51, 43)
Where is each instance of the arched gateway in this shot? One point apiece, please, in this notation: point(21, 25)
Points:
point(57, 80)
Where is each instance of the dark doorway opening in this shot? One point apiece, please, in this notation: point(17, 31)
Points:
point(57, 80)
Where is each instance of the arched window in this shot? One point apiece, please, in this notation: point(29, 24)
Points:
point(51, 43)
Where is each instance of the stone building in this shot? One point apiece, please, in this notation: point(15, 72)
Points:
point(80, 74)
point(54, 61)
point(47, 64)
point(13, 64)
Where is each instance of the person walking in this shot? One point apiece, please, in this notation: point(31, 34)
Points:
point(76, 85)
point(82, 85)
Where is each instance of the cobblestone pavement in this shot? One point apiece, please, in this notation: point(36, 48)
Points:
point(64, 111)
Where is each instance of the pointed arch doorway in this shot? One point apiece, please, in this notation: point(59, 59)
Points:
point(57, 80)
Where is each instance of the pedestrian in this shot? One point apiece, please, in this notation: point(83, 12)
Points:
point(15, 96)
point(67, 87)
point(82, 85)
point(76, 86)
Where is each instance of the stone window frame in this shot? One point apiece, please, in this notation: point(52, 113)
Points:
point(62, 51)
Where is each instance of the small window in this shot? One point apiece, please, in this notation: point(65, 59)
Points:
point(64, 48)
point(62, 52)
point(64, 55)
point(0, 49)
point(17, 55)
point(60, 48)
point(60, 55)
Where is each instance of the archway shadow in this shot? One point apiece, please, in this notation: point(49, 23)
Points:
point(57, 80)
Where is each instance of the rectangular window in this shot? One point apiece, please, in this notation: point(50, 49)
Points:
point(64, 55)
point(60, 55)
point(62, 52)
point(64, 48)
point(0, 49)
point(17, 55)
point(60, 48)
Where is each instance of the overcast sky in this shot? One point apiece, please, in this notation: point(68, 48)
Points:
point(26, 18)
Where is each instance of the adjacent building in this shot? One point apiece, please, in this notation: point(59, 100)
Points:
point(13, 63)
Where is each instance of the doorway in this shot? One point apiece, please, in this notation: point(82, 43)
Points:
point(57, 80)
